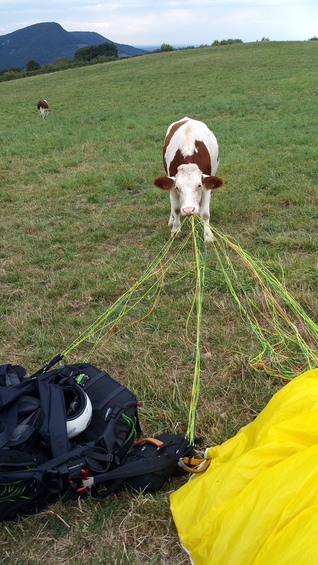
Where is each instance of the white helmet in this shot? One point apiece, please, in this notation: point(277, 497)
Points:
point(78, 411)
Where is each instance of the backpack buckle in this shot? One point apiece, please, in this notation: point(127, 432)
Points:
point(79, 483)
point(81, 379)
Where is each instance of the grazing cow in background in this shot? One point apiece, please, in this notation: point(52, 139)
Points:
point(43, 108)
point(191, 159)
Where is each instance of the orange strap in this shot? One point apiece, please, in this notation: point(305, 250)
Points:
point(152, 440)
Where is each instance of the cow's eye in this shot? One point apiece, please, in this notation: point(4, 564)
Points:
point(199, 186)
point(176, 188)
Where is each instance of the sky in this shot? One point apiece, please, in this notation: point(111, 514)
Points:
point(175, 22)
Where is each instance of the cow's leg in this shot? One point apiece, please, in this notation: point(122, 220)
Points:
point(205, 215)
point(174, 220)
point(208, 235)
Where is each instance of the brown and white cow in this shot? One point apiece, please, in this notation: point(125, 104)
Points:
point(43, 108)
point(191, 159)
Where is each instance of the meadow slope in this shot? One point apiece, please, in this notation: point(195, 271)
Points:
point(81, 222)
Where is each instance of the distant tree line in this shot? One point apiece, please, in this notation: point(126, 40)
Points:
point(96, 53)
point(226, 42)
point(167, 47)
point(88, 55)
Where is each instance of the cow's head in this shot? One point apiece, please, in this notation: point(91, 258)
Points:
point(188, 185)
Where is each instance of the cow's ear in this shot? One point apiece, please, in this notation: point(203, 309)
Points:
point(165, 183)
point(212, 182)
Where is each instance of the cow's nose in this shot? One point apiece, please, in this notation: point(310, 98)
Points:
point(188, 211)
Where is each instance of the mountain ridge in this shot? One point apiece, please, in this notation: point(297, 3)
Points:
point(45, 42)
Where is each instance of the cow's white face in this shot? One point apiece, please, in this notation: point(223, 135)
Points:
point(188, 186)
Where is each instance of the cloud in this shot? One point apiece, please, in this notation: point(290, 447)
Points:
point(187, 22)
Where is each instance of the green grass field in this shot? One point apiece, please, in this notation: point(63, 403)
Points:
point(81, 222)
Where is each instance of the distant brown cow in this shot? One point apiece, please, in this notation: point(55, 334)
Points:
point(43, 108)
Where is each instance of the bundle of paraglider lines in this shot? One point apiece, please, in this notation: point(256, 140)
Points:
point(287, 336)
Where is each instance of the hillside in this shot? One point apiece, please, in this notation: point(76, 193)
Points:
point(45, 42)
point(82, 224)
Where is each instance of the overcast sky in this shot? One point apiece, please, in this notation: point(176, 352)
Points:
point(177, 22)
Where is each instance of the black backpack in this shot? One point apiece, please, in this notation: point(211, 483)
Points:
point(40, 459)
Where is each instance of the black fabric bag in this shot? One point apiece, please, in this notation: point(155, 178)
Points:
point(39, 463)
point(148, 465)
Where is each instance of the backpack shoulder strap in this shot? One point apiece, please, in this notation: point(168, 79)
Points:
point(52, 427)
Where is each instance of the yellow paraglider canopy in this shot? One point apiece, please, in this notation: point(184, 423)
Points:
point(257, 503)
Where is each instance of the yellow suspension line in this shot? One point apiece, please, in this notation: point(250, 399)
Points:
point(199, 272)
